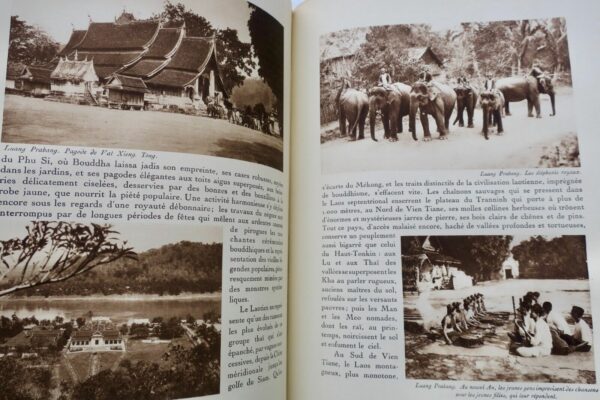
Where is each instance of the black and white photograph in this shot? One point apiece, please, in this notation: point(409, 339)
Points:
point(497, 308)
point(201, 77)
point(96, 311)
point(474, 95)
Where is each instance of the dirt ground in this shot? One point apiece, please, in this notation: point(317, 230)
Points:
point(37, 121)
point(428, 357)
point(524, 142)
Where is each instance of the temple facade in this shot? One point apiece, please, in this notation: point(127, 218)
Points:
point(97, 335)
point(172, 68)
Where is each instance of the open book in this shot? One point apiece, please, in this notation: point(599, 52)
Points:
point(231, 199)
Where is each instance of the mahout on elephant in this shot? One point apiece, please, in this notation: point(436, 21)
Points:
point(528, 87)
point(393, 102)
point(435, 99)
point(353, 106)
point(492, 103)
point(466, 100)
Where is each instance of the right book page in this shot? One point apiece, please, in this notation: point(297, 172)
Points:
point(444, 231)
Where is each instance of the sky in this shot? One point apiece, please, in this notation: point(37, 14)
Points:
point(141, 237)
point(65, 15)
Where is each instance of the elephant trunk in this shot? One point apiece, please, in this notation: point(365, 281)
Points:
point(372, 118)
point(412, 118)
point(486, 119)
point(553, 104)
point(342, 118)
point(457, 118)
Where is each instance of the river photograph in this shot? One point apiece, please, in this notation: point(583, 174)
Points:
point(85, 307)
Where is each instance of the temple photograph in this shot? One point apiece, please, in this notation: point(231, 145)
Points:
point(510, 308)
point(190, 77)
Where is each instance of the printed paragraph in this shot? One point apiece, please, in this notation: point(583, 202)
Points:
point(107, 186)
point(538, 199)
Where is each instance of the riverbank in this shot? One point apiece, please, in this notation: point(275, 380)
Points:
point(119, 297)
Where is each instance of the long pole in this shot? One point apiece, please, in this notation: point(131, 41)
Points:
point(514, 308)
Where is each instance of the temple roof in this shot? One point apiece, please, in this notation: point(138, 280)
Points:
point(14, 70)
point(191, 58)
point(136, 35)
point(163, 47)
point(193, 54)
point(165, 43)
point(144, 68)
point(74, 70)
point(128, 83)
point(37, 74)
point(173, 78)
point(107, 63)
point(75, 39)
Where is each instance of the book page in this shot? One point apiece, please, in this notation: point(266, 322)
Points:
point(144, 199)
point(443, 208)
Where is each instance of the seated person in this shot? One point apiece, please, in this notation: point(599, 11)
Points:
point(461, 318)
point(476, 306)
point(581, 338)
point(540, 344)
point(536, 71)
point(481, 304)
point(425, 76)
point(449, 328)
point(524, 327)
point(385, 79)
point(469, 313)
point(526, 300)
point(558, 326)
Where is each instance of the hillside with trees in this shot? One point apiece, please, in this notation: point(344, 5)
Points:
point(562, 257)
point(184, 267)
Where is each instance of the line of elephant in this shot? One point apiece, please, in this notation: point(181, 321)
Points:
point(438, 100)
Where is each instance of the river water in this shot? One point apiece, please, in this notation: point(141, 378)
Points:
point(119, 309)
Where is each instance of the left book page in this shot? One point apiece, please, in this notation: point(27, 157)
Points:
point(144, 199)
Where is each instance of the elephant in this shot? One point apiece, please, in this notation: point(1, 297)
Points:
point(466, 99)
point(394, 104)
point(529, 87)
point(353, 106)
point(492, 103)
point(435, 99)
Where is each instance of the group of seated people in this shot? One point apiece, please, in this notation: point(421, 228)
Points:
point(542, 331)
point(461, 316)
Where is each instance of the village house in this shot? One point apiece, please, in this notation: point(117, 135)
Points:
point(432, 270)
point(35, 80)
point(510, 268)
point(13, 73)
point(98, 335)
point(428, 58)
point(126, 92)
point(32, 339)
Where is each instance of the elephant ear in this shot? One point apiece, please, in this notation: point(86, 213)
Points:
point(433, 93)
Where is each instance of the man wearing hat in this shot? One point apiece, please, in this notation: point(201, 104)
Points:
point(582, 337)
